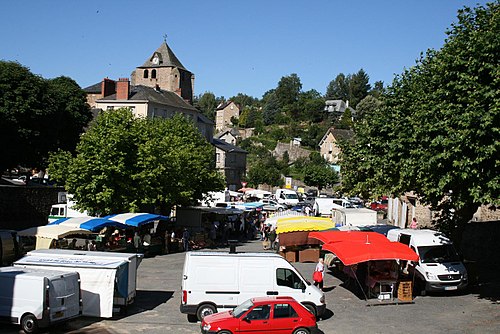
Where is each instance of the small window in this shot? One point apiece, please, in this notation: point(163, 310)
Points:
point(284, 311)
point(146, 74)
point(153, 74)
point(110, 108)
point(218, 157)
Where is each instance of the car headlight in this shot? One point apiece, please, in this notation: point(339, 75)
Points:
point(206, 327)
point(322, 299)
point(431, 276)
point(465, 276)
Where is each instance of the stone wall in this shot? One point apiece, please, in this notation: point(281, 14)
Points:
point(26, 206)
point(294, 152)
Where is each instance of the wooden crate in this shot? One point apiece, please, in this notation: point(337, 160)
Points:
point(405, 291)
point(291, 256)
point(309, 255)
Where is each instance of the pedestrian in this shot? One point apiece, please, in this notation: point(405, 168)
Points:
point(137, 241)
point(92, 246)
point(185, 239)
point(307, 210)
point(272, 238)
point(319, 274)
point(414, 224)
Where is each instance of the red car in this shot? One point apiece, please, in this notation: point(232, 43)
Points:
point(275, 314)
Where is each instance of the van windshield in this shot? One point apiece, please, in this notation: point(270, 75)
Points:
point(438, 254)
point(242, 308)
point(291, 196)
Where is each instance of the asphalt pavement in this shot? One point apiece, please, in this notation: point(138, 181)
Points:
point(156, 308)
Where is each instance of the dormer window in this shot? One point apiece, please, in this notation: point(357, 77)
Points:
point(146, 74)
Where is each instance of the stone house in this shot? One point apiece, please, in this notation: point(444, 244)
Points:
point(223, 114)
point(328, 145)
point(231, 161)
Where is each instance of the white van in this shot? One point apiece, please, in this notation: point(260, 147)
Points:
point(36, 298)
point(217, 281)
point(287, 197)
point(65, 210)
point(439, 267)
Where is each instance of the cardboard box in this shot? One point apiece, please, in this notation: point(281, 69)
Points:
point(309, 255)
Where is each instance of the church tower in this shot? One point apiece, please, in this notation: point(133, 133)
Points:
point(164, 70)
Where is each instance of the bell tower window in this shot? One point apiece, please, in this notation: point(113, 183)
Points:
point(153, 74)
point(146, 74)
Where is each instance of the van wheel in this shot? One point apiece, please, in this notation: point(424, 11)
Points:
point(311, 309)
point(204, 310)
point(301, 331)
point(29, 323)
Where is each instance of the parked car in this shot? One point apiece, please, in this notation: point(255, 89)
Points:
point(300, 207)
point(275, 314)
point(380, 205)
point(272, 205)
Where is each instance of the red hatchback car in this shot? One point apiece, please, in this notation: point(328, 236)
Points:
point(275, 314)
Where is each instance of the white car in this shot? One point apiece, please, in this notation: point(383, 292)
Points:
point(272, 205)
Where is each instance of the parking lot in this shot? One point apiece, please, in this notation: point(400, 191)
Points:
point(156, 309)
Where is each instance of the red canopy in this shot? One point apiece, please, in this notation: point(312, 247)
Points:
point(355, 236)
point(352, 252)
point(353, 247)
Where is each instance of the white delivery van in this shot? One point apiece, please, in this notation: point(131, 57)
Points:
point(323, 206)
point(354, 217)
point(65, 210)
point(37, 298)
point(108, 279)
point(216, 281)
point(287, 197)
point(439, 267)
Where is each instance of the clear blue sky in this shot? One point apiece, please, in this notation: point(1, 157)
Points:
point(231, 46)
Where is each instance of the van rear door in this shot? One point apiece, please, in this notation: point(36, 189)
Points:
point(64, 296)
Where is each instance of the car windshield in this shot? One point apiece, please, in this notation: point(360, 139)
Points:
point(438, 254)
point(291, 196)
point(242, 308)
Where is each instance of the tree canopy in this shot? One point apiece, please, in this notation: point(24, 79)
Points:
point(437, 131)
point(38, 116)
point(126, 164)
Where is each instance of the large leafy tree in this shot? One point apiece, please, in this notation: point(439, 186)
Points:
point(438, 130)
point(288, 90)
point(352, 88)
point(207, 103)
point(127, 164)
point(38, 116)
point(338, 89)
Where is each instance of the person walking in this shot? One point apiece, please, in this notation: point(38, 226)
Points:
point(185, 239)
point(272, 238)
point(137, 241)
point(319, 274)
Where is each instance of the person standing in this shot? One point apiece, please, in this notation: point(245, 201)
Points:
point(414, 224)
point(137, 241)
point(272, 238)
point(185, 239)
point(319, 278)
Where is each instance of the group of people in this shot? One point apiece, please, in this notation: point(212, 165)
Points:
point(269, 237)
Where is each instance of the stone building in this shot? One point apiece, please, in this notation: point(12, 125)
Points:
point(328, 145)
point(231, 161)
point(223, 114)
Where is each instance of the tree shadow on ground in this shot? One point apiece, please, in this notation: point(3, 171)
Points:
point(484, 280)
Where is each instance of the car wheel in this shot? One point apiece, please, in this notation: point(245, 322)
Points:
point(280, 209)
point(301, 331)
point(311, 309)
point(204, 310)
point(29, 323)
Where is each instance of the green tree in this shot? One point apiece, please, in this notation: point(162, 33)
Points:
point(320, 176)
point(358, 87)
point(127, 164)
point(244, 100)
point(270, 109)
point(38, 116)
point(437, 132)
point(367, 106)
point(288, 90)
point(338, 89)
point(207, 103)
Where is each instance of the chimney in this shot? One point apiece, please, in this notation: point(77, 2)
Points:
point(108, 87)
point(122, 89)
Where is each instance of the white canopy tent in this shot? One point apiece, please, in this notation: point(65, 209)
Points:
point(45, 234)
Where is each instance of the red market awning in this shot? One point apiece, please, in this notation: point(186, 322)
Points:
point(352, 252)
point(332, 236)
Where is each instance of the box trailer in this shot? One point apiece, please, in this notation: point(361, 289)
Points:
point(108, 279)
point(35, 298)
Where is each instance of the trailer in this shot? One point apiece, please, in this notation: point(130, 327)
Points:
point(107, 279)
point(354, 217)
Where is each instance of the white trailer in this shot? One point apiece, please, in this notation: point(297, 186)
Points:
point(107, 278)
point(354, 217)
point(36, 298)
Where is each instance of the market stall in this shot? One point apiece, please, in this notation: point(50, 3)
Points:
point(369, 258)
point(48, 236)
point(293, 233)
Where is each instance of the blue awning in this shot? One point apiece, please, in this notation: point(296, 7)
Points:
point(93, 224)
point(135, 219)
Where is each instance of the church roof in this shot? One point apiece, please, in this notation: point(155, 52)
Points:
point(166, 58)
point(153, 95)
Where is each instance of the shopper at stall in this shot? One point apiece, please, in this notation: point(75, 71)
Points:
point(185, 239)
point(137, 241)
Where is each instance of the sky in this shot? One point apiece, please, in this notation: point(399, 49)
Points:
point(231, 46)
